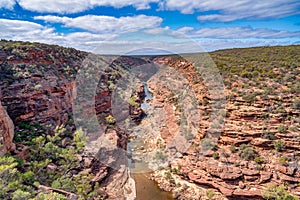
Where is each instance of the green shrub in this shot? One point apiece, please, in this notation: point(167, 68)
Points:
point(279, 145)
point(132, 102)
point(160, 155)
point(80, 139)
point(282, 129)
point(28, 177)
point(273, 192)
point(216, 155)
point(176, 170)
point(247, 152)
point(268, 135)
point(297, 88)
point(168, 175)
point(210, 194)
point(282, 160)
point(259, 160)
point(249, 98)
point(259, 167)
point(296, 104)
point(19, 181)
point(110, 119)
point(20, 195)
point(232, 149)
point(50, 196)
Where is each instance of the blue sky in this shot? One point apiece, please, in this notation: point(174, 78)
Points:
point(117, 26)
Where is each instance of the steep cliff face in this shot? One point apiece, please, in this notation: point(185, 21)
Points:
point(37, 82)
point(38, 88)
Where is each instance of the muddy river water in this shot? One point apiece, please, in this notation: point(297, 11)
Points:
point(146, 189)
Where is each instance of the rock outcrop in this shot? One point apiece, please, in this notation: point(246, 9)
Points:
point(6, 132)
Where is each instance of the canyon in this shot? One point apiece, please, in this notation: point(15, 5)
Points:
point(253, 143)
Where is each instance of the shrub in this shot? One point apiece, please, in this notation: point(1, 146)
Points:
point(279, 145)
point(207, 144)
point(296, 88)
point(259, 160)
point(210, 194)
point(249, 98)
point(28, 177)
point(296, 104)
point(259, 167)
point(232, 149)
point(168, 175)
point(132, 102)
point(277, 193)
point(160, 155)
point(282, 160)
point(268, 135)
point(20, 195)
point(50, 196)
point(80, 139)
point(247, 152)
point(9, 176)
point(216, 155)
point(281, 129)
point(110, 119)
point(19, 181)
point(176, 170)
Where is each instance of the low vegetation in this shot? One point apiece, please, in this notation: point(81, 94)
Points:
point(247, 152)
point(273, 192)
point(49, 165)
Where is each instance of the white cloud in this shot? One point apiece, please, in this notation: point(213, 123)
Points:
point(112, 43)
point(28, 31)
point(138, 4)
point(186, 46)
point(229, 10)
point(106, 24)
point(8, 4)
point(17, 26)
point(75, 6)
point(158, 30)
point(235, 33)
point(55, 6)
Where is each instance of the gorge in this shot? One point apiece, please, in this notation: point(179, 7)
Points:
point(257, 151)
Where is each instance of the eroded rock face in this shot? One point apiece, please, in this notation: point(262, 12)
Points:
point(6, 132)
point(37, 86)
point(257, 122)
point(135, 111)
point(49, 105)
point(37, 81)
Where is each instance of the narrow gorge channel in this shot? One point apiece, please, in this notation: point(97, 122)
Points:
point(146, 189)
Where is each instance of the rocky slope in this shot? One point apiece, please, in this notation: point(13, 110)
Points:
point(259, 144)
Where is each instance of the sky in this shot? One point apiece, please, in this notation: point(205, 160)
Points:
point(153, 26)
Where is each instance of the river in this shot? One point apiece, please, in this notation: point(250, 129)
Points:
point(146, 189)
